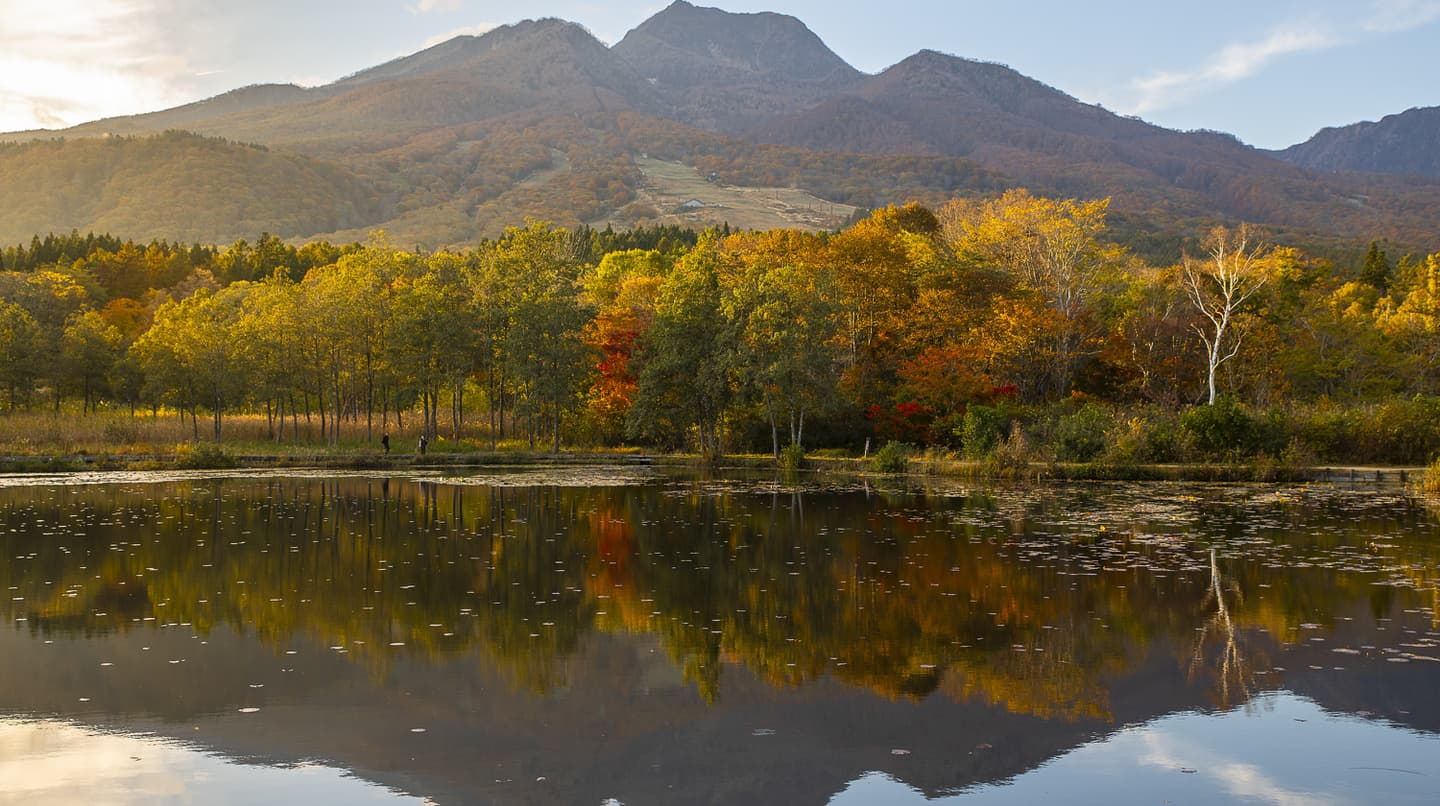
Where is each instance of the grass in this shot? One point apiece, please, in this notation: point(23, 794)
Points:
point(670, 184)
point(47, 442)
point(1429, 482)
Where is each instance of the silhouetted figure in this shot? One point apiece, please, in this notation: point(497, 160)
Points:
point(385, 443)
point(423, 443)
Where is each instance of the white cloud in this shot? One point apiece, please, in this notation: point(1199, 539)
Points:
point(1231, 63)
point(1243, 780)
point(1396, 16)
point(427, 6)
point(469, 30)
point(1240, 60)
point(64, 62)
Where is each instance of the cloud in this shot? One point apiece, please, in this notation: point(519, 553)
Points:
point(1231, 63)
point(1243, 780)
point(1397, 16)
point(63, 62)
point(1241, 60)
point(427, 6)
point(469, 30)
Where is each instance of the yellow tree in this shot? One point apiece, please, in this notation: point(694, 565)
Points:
point(876, 275)
point(1050, 248)
point(1413, 325)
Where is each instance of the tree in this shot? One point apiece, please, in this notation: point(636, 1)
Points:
point(787, 320)
point(1375, 271)
point(19, 352)
point(1051, 248)
point(1219, 284)
point(191, 356)
point(90, 346)
point(622, 289)
point(688, 354)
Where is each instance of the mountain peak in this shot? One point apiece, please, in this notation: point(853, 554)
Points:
point(697, 41)
point(465, 48)
point(1404, 143)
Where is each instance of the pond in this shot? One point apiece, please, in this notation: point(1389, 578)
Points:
point(623, 635)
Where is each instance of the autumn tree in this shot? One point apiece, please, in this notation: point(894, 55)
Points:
point(89, 348)
point(1052, 249)
point(785, 304)
point(20, 352)
point(688, 355)
point(1232, 270)
point(191, 357)
point(622, 290)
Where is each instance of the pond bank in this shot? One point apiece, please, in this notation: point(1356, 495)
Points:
point(1251, 472)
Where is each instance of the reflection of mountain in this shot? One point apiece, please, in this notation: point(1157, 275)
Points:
point(625, 727)
point(641, 635)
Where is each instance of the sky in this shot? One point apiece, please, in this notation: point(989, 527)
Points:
point(1271, 72)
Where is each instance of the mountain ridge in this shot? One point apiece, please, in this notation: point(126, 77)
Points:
point(539, 117)
point(1405, 143)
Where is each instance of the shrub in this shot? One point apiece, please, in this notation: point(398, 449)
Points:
point(1080, 437)
point(1430, 482)
point(1329, 431)
point(1400, 431)
point(893, 458)
point(203, 456)
point(792, 457)
point(1011, 457)
point(1219, 429)
point(982, 427)
point(1129, 443)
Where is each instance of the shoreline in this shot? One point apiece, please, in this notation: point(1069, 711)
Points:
point(1374, 475)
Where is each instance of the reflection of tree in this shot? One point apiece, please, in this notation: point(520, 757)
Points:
point(1233, 675)
point(901, 595)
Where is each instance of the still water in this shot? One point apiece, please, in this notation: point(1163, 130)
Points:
point(627, 636)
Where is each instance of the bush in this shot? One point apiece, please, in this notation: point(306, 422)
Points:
point(1220, 429)
point(1430, 482)
point(893, 458)
point(1399, 432)
point(792, 457)
point(981, 429)
point(203, 456)
point(1129, 443)
point(1328, 430)
point(1080, 437)
point(1011, 457)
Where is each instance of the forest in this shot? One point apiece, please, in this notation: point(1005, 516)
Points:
point(1010, 328)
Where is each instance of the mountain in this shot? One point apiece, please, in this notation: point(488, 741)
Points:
point(539, 118)
point(551, 65)
point(1407, 143)
point(176, 186)
point(727, 72)
point(933, 103)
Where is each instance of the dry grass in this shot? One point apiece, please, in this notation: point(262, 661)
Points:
point(670, 184)
point(117, 433)
point(1429, 483)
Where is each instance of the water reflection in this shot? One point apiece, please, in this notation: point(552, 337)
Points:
point(616, 641)
point(53, 762)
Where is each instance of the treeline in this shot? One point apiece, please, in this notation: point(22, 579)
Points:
point(1000, 327)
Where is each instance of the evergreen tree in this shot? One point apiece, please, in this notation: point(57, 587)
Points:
point(1375, 271)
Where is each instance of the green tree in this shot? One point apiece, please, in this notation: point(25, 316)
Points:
point(788, 324)
point(1375, 271)
point(688, 355)
point(20, 351)
point(191, 357)
point(89, 348)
